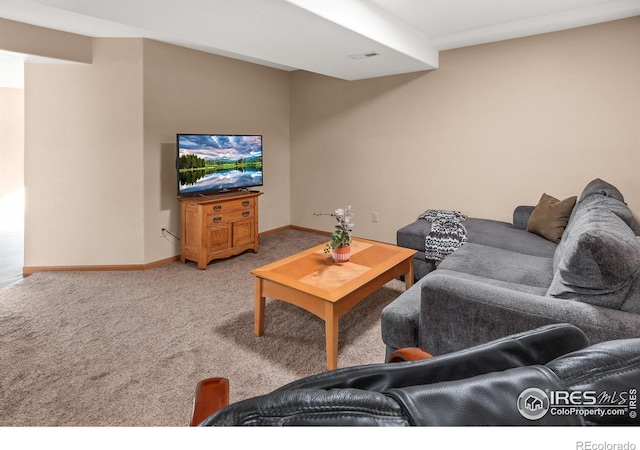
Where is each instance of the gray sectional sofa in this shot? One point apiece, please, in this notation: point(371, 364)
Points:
point(506, 279)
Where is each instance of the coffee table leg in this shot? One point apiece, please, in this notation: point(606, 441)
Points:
point(408, 278)
point(331, 334)
point(258, 320)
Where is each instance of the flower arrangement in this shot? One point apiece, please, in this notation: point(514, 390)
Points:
point(341, 237)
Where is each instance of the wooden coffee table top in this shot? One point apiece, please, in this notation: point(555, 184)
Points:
point(314, 272)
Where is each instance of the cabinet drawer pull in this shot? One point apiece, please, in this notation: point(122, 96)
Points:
point(245, 214)
point(245, 203)
point(217, 219)
point(217, 207)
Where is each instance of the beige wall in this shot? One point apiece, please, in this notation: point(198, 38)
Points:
point(187, 91)
point(11, 140)
point(494, 127)
point(84, 167)
point(32, 40)
point(100, 147)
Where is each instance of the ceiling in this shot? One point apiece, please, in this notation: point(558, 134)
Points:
point(328, 37)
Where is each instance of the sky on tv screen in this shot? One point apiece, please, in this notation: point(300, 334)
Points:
point(218, 162)
point(221, 147)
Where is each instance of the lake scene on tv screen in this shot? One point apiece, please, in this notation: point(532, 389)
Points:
point(218, 162)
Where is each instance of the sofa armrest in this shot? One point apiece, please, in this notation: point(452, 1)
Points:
point(458, 313)
point(400, 318)
point(521, 216)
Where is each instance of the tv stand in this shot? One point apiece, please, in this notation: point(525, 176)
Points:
point(218, 226)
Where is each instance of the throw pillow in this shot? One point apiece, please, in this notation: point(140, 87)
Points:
point(601, 187)
point(550, 217)
point(614, 205)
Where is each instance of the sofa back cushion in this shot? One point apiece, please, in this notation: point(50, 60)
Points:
point(598, 259)
point(632, 303)
point(599, 193)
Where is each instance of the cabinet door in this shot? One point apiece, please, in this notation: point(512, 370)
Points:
point(243, 232)
point(219, 238)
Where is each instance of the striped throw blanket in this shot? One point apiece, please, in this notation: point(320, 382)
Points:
point(447, 233)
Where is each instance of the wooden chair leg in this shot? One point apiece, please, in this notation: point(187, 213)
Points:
point(408, 354)
point(211, 395)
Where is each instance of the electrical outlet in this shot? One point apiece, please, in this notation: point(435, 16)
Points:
point(374, 217)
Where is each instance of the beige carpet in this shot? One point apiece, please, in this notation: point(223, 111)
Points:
point(127, 348)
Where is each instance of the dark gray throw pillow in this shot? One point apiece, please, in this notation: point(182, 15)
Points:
point(617, 207)
point(599, 260)
point(601, 187)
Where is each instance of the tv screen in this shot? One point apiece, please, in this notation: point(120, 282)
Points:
point(213, 163)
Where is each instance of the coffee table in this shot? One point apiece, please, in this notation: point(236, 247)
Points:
point(314, 282)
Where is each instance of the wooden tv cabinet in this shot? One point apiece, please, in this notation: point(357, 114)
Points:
point(218, 226)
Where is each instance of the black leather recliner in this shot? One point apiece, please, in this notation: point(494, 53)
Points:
point(546, 376)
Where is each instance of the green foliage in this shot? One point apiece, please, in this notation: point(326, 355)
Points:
point(341, 237)
point(191, 162)
point(188, 163)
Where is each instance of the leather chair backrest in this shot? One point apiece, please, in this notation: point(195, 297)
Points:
point(498, 383)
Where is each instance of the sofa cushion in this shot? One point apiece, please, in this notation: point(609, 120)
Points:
point(498, 264)
point(481, 231)
point(550, 217)
point(597, 261)
point(520, 287)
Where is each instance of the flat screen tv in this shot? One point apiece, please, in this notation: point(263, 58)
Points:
point(215, 163)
